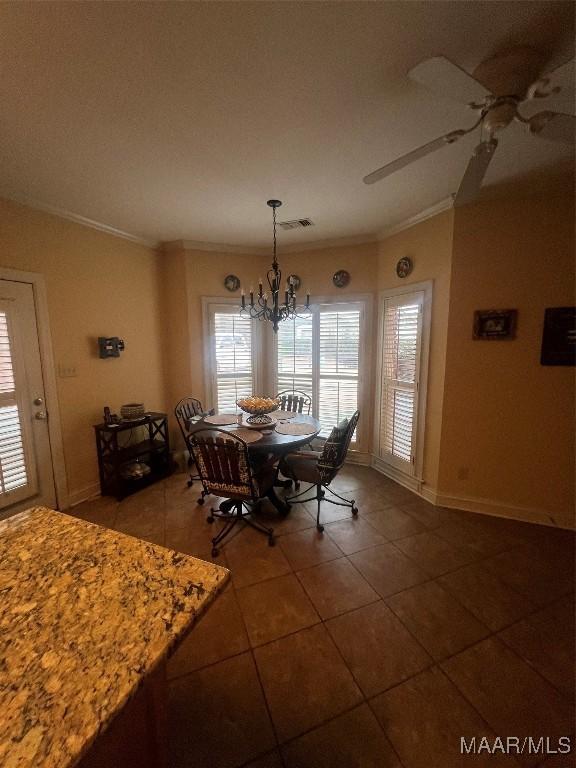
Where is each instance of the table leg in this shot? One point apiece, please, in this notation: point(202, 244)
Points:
point(282, 506)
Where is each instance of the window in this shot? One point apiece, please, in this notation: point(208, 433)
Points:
point(294, 344)
point(12, 455)
point(232, 353)
point(320, 355)
point(401, 324)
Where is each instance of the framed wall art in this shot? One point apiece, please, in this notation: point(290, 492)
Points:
point(559, 336)
point(495, 324)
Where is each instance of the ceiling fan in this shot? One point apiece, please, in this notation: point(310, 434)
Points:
point(507, 82)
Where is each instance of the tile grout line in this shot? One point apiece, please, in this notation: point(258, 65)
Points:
point(492, 633)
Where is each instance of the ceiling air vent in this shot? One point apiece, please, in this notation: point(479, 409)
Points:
point(296, 223)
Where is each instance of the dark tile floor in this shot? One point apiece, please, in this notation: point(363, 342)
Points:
point(375, 645)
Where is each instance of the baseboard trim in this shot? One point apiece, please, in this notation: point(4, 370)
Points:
point(489, 507)
point(85, 494)
point(498, 509)
point(412, 483)
point(359, 458)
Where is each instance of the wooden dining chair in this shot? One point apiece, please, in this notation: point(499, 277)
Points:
point(185, 410)
point(225, 470)
point(319, 468)
point(295, 401)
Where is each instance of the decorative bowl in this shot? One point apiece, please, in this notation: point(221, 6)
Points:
point(135, 471)
point(132, 411)
point(258, 407)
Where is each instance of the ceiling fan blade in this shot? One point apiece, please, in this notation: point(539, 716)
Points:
point(555, 126)
point(410, 157)
point(475, 172)
point(447, 79)
point(560, 79)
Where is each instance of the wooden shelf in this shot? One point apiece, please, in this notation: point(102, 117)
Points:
point(113, 456)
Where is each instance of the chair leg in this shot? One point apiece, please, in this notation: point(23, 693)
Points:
point(230, 523)
point(262, 529)
point(319, 497)
point(347, 502)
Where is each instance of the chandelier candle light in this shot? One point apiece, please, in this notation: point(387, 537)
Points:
point(271, 308)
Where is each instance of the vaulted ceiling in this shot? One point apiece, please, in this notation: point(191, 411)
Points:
point(179, 120)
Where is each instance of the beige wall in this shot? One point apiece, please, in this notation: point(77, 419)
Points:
point(316, 268)
point(429, 245)
point(508, 422)
point(97, 285)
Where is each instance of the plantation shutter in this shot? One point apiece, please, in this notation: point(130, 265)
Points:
point(13, 474)
point(339, 340)
point(295, 355)
point(232, 352)
point(401, 340)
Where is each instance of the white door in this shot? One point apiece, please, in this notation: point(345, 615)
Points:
point(26, 471)
point(399, 379)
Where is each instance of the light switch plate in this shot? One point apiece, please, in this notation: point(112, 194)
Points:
point(66, 371)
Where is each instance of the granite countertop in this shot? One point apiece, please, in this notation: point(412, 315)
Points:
point(85, 614)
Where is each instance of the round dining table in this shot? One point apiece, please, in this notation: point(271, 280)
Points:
point(271, 442)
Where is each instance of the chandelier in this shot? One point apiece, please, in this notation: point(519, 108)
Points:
point(269, 305)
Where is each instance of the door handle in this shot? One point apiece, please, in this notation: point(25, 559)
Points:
point(41, 415)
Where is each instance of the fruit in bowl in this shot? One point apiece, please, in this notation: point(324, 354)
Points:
point(258, 407)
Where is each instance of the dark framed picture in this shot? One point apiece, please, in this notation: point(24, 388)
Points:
point(493, 324)
point(559, 336)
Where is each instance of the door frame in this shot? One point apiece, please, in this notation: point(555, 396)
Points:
point(38, 283)
point(427, 288)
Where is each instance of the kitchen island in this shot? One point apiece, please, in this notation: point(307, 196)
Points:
point(88, 617)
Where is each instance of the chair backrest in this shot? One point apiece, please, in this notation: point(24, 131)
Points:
point(222, 461)
point(295, 401)
point(184, 410)
point(335, 449)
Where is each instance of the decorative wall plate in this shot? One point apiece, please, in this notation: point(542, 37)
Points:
point(404, 267)
point(231, 283)
point(296, 281)
point(341, 278)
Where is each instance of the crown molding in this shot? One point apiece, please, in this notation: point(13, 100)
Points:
point(338, 242)
point(196, 245)
point(63, 213)
point(317, 245)
point(417, 218)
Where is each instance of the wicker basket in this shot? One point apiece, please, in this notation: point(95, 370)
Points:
point(132, 411)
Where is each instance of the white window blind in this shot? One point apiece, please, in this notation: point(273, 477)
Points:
point(401, 339)
point(339, 336)
point(13, 473)
point(295, 355)
point(232, 351)
point(320, 355)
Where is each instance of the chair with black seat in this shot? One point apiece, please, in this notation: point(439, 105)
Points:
point(294, 401)
point(226, 471)
point(187, 409)
point(319, 468)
